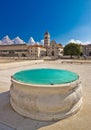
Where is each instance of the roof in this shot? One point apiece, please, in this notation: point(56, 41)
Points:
point(47, 33)
point(14, 44)
point(60, 45)
point(85, 44)
point(36, 45)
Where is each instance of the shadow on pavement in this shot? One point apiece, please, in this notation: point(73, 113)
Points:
point(10, 118)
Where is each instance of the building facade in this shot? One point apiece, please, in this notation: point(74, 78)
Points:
point(36, 51)
point(46, 39)
point(86, 49)
point(51, 49)
point(54, 50)
point(20, 50)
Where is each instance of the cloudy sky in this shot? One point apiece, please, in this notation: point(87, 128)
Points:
point(64, 19)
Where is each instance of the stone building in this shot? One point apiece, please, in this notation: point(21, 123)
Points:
point(36, 51)
point(51, 49)
point(54, 50)
point(86, 49)
point(20, 50)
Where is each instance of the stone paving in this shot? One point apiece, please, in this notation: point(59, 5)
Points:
point(5, 127)
point(10, 120)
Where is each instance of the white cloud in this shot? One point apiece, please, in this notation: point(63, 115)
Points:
point(17, 40)
point(0, 42)
point(6, 40)
point(88, 42)
point(75, 41)
point(37, 43)
point(79, 42)
point(42, 42)
point(31, 41)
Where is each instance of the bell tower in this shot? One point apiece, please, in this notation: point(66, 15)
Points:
point(46, 39)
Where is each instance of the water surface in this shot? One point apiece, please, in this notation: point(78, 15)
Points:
point(45, 76)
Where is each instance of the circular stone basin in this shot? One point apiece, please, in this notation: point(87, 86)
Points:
point(46, 94)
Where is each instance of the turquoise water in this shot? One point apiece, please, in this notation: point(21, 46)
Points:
point(45, 76)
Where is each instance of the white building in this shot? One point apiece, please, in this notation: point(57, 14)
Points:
point(36, 51)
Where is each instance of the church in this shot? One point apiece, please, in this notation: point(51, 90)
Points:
point(49, 49)
point(52, 48)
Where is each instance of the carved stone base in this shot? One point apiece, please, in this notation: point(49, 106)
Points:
point(46, 102)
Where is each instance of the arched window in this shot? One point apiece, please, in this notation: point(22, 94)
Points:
point(52, 53)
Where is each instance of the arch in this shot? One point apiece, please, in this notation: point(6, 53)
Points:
point(23, 55)
point(52, 53)
point(90, 53)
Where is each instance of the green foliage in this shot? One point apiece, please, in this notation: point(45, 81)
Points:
point(72, 49)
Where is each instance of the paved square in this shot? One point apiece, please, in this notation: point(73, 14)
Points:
point(8, 117)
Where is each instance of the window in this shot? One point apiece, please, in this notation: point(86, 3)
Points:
point(11, 52)
point(21, 50)
point(45, 37)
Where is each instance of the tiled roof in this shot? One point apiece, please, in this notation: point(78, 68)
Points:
point(36, 45)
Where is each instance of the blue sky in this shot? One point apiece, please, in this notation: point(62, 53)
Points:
point(64, 19)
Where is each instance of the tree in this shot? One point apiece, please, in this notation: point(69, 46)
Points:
point(72, 49)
